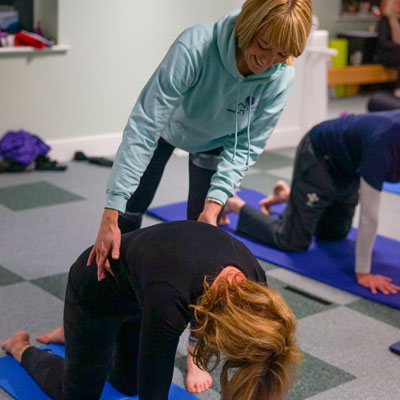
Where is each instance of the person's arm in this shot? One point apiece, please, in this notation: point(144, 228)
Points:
point(157, 102)
point(395, 28)
point(367, 228)
point(231, 170)
point(388, 34)
point(161, 326)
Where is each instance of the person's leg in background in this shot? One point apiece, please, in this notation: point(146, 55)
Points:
point(335, 222)
point(144, 194)
point(311, 193)
point(202, 166)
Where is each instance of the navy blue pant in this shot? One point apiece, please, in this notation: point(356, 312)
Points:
point(319, 205)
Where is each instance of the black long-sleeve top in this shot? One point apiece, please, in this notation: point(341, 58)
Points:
point(163, 267)
point(387, 52)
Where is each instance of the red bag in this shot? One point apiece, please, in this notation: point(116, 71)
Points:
point(27, 39)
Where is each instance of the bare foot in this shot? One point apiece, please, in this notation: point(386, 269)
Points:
point(56, 336)
point(17, 344)
point(197, 380)
point(280, 194)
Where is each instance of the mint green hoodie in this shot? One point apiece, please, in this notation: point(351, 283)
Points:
point(197, 100)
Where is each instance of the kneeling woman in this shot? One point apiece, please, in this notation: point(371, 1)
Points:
point(126, 327)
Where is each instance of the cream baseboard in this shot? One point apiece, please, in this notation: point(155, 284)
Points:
point(106, 145)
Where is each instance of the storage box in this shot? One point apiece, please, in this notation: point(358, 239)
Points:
point(9, 19)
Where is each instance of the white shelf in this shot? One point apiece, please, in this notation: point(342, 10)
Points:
point(60, 48)
point(356, 18)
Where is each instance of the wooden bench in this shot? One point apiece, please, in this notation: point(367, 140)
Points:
point(361, 75)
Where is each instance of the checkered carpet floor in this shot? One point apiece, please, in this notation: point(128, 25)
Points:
point(48, 218)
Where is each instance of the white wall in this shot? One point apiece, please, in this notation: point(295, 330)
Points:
point(90, 90)
point(81, 100)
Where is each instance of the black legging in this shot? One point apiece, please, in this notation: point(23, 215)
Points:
point(101, 335)
point(199, 183)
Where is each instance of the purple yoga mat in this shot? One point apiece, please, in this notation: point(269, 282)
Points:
point(328, 262)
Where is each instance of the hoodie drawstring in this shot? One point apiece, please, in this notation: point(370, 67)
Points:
point(248, 124)
point(236, 121)
point(248, 127)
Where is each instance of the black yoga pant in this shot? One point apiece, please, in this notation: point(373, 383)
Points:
point(318, 205)
point(102, 334)
point(202, 167)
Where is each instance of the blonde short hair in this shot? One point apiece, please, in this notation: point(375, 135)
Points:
point(254, 329)
point(284, 23)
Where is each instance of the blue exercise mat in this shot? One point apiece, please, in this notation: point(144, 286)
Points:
point(18, 384)
point(328, 262)
point(392, 187)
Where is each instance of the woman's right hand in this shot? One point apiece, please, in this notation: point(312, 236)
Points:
point(108, 240)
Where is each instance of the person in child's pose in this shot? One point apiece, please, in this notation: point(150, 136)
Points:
point(217, 94)
point(338, 163)
point(126, 328)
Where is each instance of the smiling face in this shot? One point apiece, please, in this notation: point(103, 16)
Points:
point(396, 6)
point(259, 56)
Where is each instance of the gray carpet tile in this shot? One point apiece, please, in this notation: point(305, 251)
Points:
point(301, 302)
point(288, 152)
point(32, 195)
point(272, 160)
point(261, 181)
point(374, 387)
point(313, 287)
point(8, 277)
point(388, 315)
point(339, 342)
point(47, 241)
point(267, 266)
point(282, 173)
point(351, 341)
point(27, 307)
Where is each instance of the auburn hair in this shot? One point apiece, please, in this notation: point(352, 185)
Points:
point(253, 328)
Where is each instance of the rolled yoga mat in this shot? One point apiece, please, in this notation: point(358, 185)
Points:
point(328, 262)
point(18, 384)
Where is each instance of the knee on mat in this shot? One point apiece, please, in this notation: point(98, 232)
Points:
point(123, 385)
point(294, 247)
point(332, 235)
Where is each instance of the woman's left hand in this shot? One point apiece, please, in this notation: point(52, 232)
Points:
point(210, 213)
point(377, 283)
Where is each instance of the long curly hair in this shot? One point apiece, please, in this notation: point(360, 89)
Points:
point(253, 328)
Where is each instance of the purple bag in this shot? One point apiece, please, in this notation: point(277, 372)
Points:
point(22, 146)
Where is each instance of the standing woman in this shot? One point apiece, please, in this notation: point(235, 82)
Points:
point(388, 49)
point(217, 94)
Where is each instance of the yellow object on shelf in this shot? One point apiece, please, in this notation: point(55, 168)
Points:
point(340, 60)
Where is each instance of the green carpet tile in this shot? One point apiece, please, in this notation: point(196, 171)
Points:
point(317, 376)
point(55, 284)
point(302, 303)
point(32, 195)
point(389, 315)
point(8, 277)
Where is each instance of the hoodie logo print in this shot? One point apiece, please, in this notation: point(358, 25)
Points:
point(248, 105)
